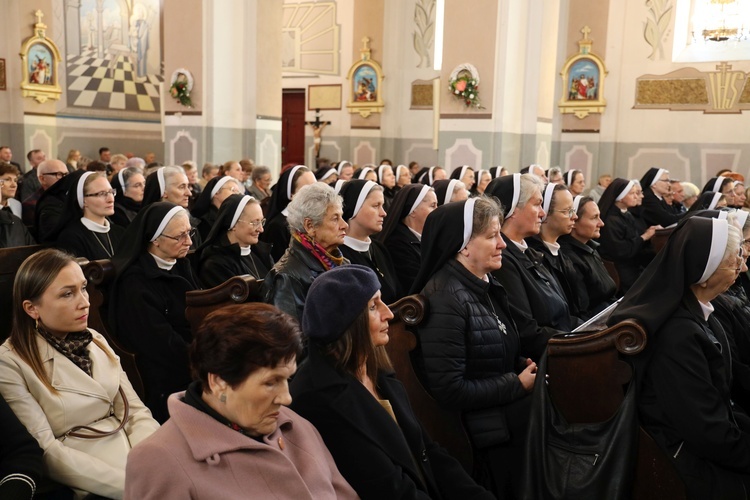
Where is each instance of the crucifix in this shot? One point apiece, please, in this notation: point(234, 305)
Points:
point(317, 127)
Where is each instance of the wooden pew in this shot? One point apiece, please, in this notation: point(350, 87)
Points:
point(10, 260)
point(587, 373)
point(443, 426)
point(100, 274)
point(660, 237)
point(236, 290)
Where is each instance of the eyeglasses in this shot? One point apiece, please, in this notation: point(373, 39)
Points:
point(255, 223)
point(57, 175)
point(180, 238)
point(233, 189)
point(101, 194)
point(569, 212)
point(664, 180)
point(9, 181)
point(137, 185)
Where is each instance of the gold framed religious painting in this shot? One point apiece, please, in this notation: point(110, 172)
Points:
point(583, 81)
point(365, 79)
point(40, 59)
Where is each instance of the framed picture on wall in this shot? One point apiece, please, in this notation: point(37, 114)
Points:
point(2, 75)
point(40, 59)
point(324, 97)
point(365, 79)
point(583, 81)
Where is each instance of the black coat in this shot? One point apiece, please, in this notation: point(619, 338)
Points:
point(592, 284)
point(12, 231)
point(656, 212)
point(205, 222)
point(465, 360)
point(81, 242)
point(48, 211)
point(561, 268)
point(125, 211)
point(20, 457)
point(405, 250)
point(149, 317)
point(220, 262)
point(287, 283)
point(621, 243)
point(538, 308)
point(276, 233)
point(381, 458)
point(379, 260)
point(685, 404)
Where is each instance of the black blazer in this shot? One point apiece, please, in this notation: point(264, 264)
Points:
point(536, 304)
point(405, 249)
point(377, 456)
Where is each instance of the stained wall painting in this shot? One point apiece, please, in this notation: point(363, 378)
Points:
point(114, 55)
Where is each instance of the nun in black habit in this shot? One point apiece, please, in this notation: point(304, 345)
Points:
point(83, 228)
point(708, 201)
point(592, 284)
point(147, 300)
point(387, 179)
point(655, 211)
point(449, 190)
point(465, 174)
point(625, 240)
point(364, 212)
point(128, 184)
point(468, 354)
point(402, 230)
point(232, 247)
point(723, 185)
point(277, 232)
point(206, 208)
point(170, 184)
point(537, 302)
point(684, 373)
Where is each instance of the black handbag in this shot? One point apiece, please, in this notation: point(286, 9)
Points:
point(579, 461)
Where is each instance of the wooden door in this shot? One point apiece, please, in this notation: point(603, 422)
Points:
point(293, 127)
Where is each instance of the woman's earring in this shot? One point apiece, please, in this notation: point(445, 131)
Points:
point(223, 397)
point(36, 323)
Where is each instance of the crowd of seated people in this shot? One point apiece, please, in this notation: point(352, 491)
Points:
point(505, 261)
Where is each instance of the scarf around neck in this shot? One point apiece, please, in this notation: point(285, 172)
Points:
point(74, 347)
point(328, 260)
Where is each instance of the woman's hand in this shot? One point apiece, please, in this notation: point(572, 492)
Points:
point(528, 375)
point(650, 232)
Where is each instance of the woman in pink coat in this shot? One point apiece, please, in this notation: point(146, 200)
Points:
point(230, 435)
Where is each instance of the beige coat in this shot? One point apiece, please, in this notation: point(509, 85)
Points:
point(96, 465)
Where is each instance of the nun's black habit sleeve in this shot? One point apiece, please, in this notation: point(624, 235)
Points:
point(656, 212)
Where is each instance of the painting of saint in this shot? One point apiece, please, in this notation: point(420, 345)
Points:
point(40, 65)
point(582, 81)
point(365, 84)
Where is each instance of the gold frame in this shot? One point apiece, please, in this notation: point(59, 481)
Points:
point(362, 102)
point(324, 97)
point(582, 107)
point(50, 89)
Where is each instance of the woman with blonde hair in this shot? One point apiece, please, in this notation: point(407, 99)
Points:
point(64, 382)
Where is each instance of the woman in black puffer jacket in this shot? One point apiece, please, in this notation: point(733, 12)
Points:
point(468, 345)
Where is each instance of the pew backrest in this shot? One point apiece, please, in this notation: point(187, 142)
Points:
point(10, 260)
point(236, 290)
point(444, 426)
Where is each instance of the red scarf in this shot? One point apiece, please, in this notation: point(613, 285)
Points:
point(325, 258)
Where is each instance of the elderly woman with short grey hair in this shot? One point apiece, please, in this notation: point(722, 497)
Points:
point(316, 222)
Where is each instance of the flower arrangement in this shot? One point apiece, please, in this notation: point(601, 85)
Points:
point(464, 85)
point(182, 84)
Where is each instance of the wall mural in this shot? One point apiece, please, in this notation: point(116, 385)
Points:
point(688, 89)
point(424, 36)
point(114, 54)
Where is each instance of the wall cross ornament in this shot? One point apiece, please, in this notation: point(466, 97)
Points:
point(365, 80)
